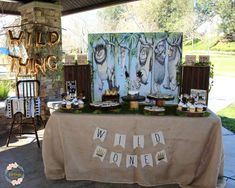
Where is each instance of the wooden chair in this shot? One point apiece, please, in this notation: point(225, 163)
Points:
point(27, 90)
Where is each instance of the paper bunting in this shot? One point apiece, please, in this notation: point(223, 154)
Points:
point(115, 158)
point(146, 160)
point(138, 141)
point(100, 134)
point(161, 156)
point(157, 138)
point(120, 139)
point(131, 160)
point(100, 153)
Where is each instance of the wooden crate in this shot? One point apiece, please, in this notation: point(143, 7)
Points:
point(82, 75)
point(195, 77)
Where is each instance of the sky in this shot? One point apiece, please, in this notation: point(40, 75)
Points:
point(75, 28)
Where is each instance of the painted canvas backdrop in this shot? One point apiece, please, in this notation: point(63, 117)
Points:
point(144, 62)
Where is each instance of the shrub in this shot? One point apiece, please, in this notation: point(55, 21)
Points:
point(4, 89)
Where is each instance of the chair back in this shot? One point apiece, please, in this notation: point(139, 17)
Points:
point(28, 88)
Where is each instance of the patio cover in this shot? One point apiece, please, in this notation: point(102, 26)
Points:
point(68, 7)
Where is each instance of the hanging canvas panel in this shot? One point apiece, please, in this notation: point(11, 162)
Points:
point(130, 63)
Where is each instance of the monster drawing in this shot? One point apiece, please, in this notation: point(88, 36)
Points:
point(159, 64)
point(122, 56)
point(167, 56)
point(105, 73)
point(174, 57)
point(144, 64)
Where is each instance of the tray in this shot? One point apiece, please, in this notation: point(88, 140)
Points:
point(107, 105)
point(160, 97)
point(71, 110)
point(154, 110)
point(191, 114)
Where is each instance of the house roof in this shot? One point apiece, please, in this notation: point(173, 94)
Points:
point(68, 6)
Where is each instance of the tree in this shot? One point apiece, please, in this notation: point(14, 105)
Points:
point(205, 10)
point(111, 16)
point(147, 15)
point(226, 10)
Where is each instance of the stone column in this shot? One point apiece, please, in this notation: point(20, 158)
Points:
point(43, 18)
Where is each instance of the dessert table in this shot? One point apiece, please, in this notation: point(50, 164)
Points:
point(148, 150)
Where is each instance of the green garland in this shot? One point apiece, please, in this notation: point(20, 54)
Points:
point(170, 110)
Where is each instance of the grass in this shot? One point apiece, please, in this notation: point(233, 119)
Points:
point(213, 44)
point(228, 117)
point(224, 65)
point(224, 46)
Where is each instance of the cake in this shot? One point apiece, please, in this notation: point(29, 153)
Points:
point(133, 92)
point(111, 95)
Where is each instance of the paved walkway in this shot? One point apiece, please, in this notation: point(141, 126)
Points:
point(222, 95)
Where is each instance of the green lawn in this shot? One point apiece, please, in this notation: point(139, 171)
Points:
point(228, 117)
point(213, 45)
point(224, 65)
point(224, 46)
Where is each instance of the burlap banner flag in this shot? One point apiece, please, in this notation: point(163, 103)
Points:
point(100, 152)
point(115, 158)
point(120, 139)
point(157, 138)
point(138, 142)
point(131, 161)
point(100, 134)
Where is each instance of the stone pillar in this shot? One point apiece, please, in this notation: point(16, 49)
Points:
point(43, 18)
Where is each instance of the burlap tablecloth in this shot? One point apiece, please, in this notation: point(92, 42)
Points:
point(193, 149)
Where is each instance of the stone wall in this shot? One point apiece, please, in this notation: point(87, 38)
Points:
point(40, 17)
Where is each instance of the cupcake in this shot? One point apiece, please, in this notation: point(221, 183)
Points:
point(204, 107)
point(80, 104)
point(184, 107)
point(63, 104)
point(199, 108)
point(68, 105)
point(75, 105)
point(180, 105)
point(192, 108)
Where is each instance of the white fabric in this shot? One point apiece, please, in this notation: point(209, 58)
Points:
point(29, 107)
